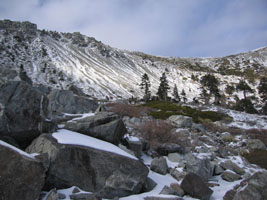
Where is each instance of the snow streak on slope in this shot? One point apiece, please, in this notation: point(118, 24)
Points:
point(60, 60)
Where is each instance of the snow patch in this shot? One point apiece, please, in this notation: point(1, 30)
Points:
point(64, 136)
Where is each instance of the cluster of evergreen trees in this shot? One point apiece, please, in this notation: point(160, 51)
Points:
point(209, 88)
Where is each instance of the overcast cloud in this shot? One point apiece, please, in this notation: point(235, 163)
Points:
point(181, 28)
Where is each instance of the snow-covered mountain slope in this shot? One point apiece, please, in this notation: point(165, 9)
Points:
point(59, 60)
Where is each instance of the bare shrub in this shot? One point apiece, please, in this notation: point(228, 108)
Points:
point(124, 109)
point(157, 132)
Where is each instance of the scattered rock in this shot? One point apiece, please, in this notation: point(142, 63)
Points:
point(232, 166)
point(195, 187)
point(167, 190)
point(166, 148)
point(163, 198)
point(229, 195)
point(104, 125)
point(20, 175)
point(201, 167)
point(106, 173)
point(177, 189)
point(149, 185)
point(231, 177)
point(52, 195)
point(218, 169)
point(256, 144)
point(159, 165)
point(181, 121)
point(178, 175)
point(175, 157)
point(135, 145)
point(83, 196)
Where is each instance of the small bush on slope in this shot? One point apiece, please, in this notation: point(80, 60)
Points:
point(166, 109)
point(124, 109)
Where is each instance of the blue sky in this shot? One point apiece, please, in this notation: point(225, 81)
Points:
point(180, 28)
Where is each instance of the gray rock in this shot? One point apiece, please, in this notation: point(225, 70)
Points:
point(159, 165)
point(255, 144)
point(77, 91)
point(105, 173)
point(229, 195)
point(231, 177)
point(177, 174)
point(177, 189)
point(149, 185)
point(65, 101)
point(193, 185)
point(166, 148)
point(256, 188)
point(23, 111)
point(201, 167)
point(21, 177)
point(233, 167)
point(52, 195)
point(136, 146)
point(104, 125)
point(83, 196)
point(218, 169)
point(167, 190)
point(175, 157)
point(162, 198)
point(181, 121)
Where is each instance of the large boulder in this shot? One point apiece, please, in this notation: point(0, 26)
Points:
point(91, 164)
point(65, 101)
point(201, 167)
point(23, 112)
point(21, 175)
point(232, 166)
point(193, 185)
point(181, 121)
point(256, 144)
point(104, 125)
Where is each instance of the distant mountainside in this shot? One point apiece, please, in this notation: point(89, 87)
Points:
point(59, 60)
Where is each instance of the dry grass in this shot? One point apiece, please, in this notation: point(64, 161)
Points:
point(124, 109)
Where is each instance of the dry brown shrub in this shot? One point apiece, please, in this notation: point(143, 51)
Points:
point(157, 132)
point(211, 127)
point(260, 134)
point(124, 109)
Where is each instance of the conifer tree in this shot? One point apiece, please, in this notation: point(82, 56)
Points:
point(210, 86)
point(184, 96)
point(145, 85)
point(163, 88)
point(262, 88)
point(243, 86)
point(175, 94)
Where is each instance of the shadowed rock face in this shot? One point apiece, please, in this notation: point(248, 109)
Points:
point(22, 111)
point(105, 173)
point(21, 177)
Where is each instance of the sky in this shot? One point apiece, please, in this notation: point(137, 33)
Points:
point(178, 28)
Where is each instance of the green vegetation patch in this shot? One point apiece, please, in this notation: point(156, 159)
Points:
point(258, 157)
point(163, 110)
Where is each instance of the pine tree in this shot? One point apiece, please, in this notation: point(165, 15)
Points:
point(175, 94)
point(210, 84)
point(145, 85)
point(243, 86)
point(263, 88)
point(163, 88)
point(184, 96)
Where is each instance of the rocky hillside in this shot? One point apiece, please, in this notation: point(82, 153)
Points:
point(59, 60)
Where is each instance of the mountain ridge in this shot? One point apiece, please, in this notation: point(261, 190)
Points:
point(59, 60)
